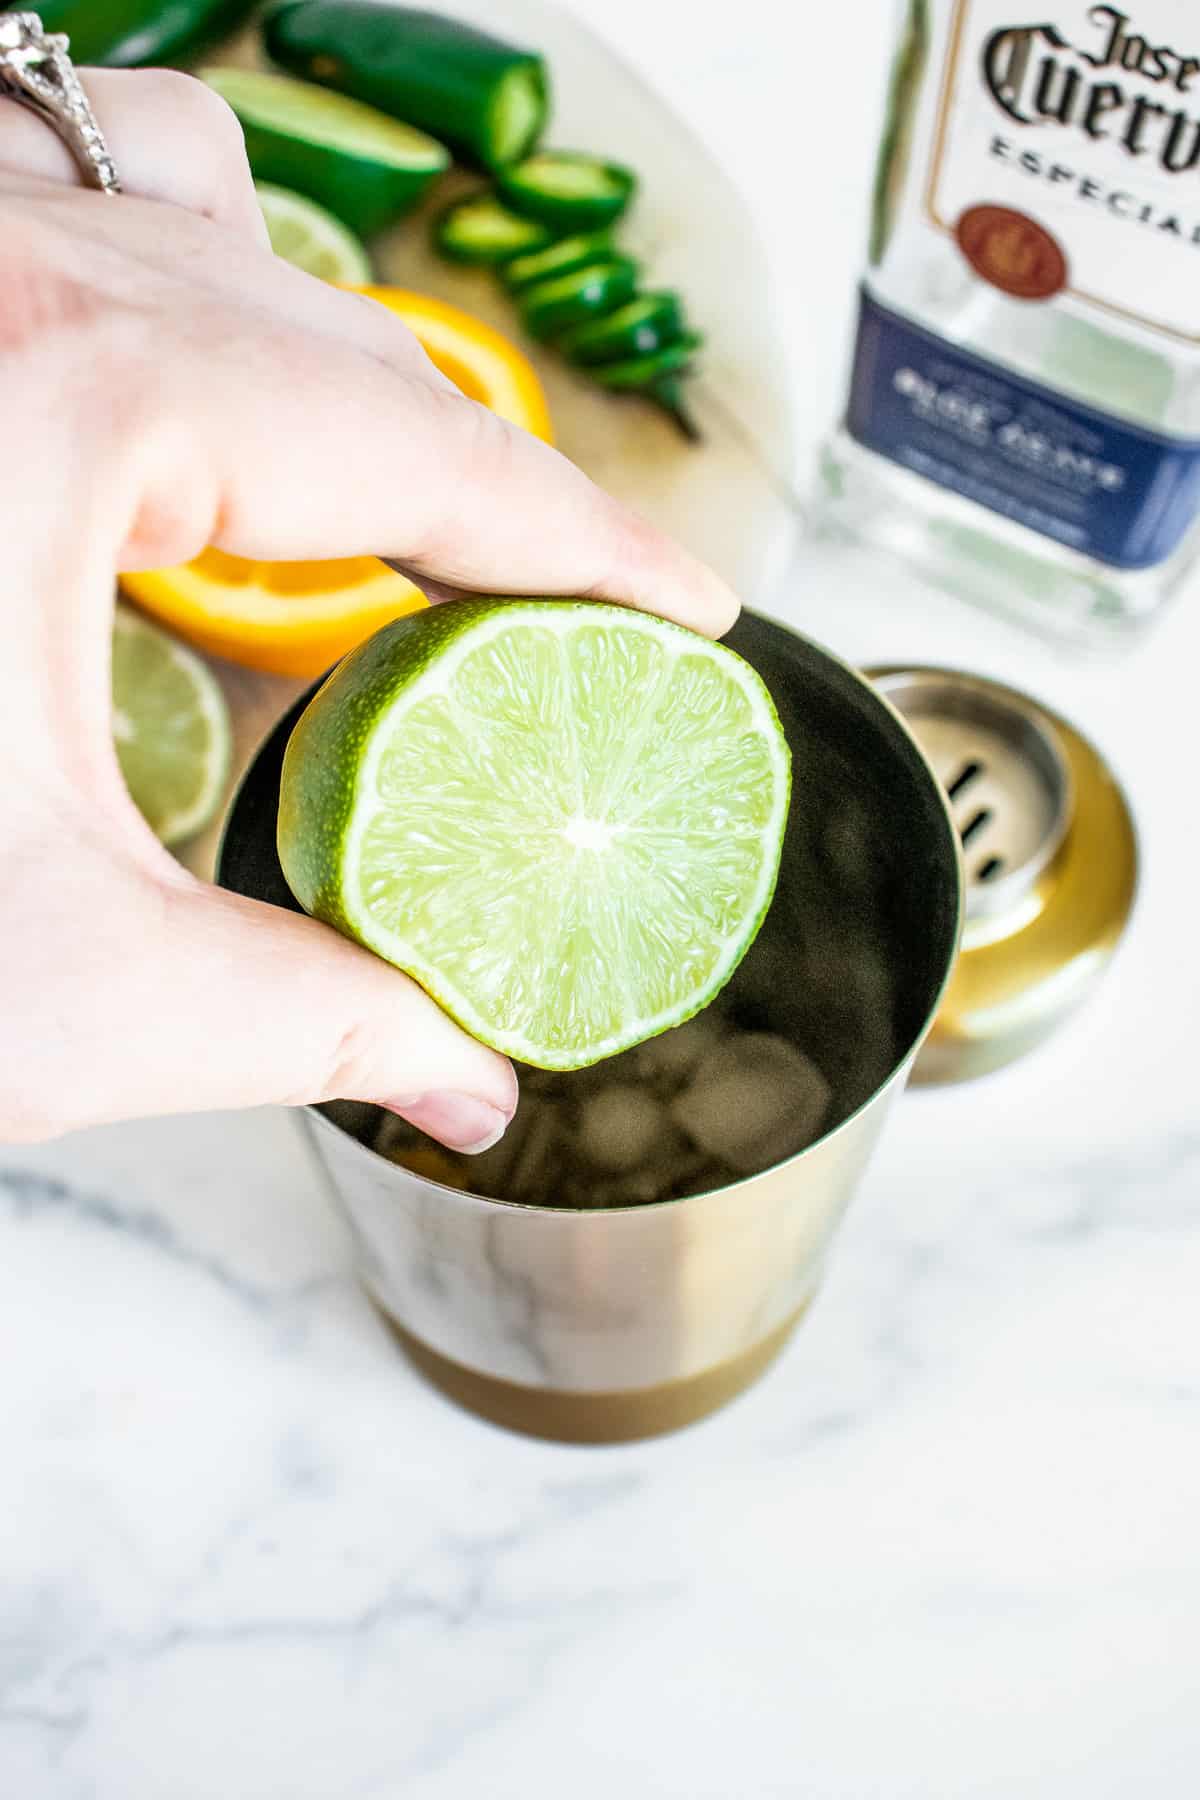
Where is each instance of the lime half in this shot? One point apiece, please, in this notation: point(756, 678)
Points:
point(563, 819)
point(309, 236)
point(359, 164)
point(171, 729)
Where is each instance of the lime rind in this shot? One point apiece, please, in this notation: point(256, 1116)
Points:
point(479, 760)
point(313, 115)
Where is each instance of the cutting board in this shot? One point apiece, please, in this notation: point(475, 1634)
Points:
point(727, 497)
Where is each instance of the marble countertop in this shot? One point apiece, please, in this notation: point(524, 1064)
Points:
point(948, 1546)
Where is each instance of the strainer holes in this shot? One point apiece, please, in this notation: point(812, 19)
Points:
point(975, 824)
point(966, 775)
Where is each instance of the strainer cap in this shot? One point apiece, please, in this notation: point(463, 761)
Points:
point(1049, 860)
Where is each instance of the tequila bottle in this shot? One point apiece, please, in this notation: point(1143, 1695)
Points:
point(1023, 421)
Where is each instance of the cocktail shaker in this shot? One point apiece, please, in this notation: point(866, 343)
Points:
point(607, 1324)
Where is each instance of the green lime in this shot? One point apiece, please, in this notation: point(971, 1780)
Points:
point(361, 165)
point(563, 819)
point(305, 234)
point(170, 726)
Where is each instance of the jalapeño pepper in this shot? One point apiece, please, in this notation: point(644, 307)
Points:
point(487, 99)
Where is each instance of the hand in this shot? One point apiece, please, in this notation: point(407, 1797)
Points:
point(169, 384)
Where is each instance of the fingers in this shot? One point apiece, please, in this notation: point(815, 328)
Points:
point(318, 1019)
point(219, 1002)
point(281, 419)
point(139, 990)
point(171, 139)
point(313, 448)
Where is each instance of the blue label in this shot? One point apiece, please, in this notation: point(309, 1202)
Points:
point(1111, 490)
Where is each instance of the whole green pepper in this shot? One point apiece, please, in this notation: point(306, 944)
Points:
point(122, 34)
point(487, 99)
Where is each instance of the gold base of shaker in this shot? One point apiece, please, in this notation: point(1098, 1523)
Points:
point(592, 1418)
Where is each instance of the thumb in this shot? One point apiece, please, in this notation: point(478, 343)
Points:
point(276, 1007)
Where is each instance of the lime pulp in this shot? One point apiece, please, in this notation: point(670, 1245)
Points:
point(170, 729)
point(563, 819)
point(309, 236)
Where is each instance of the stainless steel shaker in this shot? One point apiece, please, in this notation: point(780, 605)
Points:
point(601, 1325)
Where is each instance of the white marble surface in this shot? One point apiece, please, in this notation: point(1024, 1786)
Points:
point(948, 1547)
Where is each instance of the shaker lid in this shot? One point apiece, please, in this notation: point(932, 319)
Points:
point(1049, 863)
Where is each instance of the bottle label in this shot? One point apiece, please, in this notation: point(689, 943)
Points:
point(1086, 124)
point(1100, 485)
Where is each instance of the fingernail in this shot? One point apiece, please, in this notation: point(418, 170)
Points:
point(459, 1121)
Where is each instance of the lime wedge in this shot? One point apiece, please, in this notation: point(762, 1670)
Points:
point(306, 234)
point(171, 729)
point(362, 166)
point(563, 819)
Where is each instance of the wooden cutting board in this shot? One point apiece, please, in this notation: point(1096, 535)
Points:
point(726, 498)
